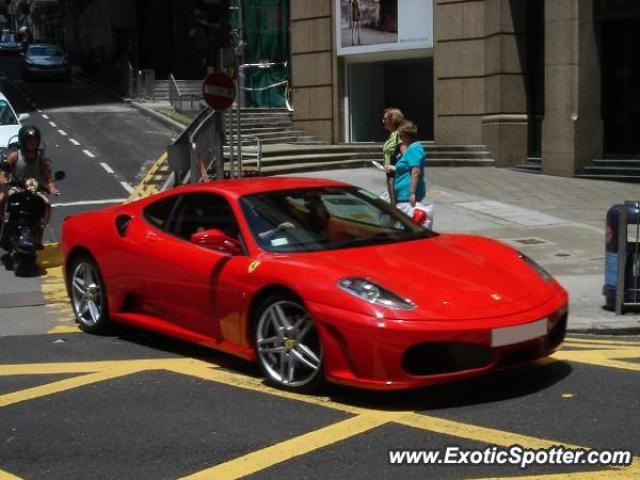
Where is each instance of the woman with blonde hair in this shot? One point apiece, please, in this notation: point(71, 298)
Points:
point(391, 120)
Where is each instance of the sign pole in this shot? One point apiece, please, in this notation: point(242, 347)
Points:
point(219, 92)
point(219, 123)
point(239, 84)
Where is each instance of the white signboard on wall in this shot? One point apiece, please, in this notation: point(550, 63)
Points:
point(371, 26)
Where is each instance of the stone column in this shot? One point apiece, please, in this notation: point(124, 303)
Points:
point(459, 65)
point(504, 125)
point(572, 128)
point(313, 67)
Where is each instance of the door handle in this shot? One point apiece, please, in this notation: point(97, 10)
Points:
point(152, 237)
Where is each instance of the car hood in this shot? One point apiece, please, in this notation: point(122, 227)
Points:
point(6, 132)
point(447, 277)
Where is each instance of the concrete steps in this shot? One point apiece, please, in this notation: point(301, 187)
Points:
point(532, 165)
point(621, 169)
point(283, 159)
point(270, 125)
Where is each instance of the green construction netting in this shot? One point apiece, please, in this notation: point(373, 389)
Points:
point(266, 31)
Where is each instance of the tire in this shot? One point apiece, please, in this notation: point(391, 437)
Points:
point(24, 265)
point(610, 303)
point(288, 347)
point(88, 295)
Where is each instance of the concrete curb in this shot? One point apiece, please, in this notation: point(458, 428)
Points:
point(619, 330)
point(172, 124)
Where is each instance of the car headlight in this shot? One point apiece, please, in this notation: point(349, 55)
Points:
point(546, 276)
point(372, 293)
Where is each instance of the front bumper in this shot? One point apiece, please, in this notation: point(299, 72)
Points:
point(47, 72)
point(10, 49)
point(381, 354)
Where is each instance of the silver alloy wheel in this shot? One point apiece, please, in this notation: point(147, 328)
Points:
point(87, 294)
point(288, 345)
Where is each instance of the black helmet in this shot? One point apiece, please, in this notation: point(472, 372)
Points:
point(26, 132)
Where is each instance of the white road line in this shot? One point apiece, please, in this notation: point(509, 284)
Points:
point(88, 153)
point(89, 202)
point(106, 167)
point(53, 124)
point(127, 187)
point(45, 116)
point(74, 141)
point(62, 132)
point(38, 110)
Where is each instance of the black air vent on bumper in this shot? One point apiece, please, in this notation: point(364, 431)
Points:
point(449, 357)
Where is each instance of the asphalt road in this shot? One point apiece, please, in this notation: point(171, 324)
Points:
point(135, 405)
point(103, 145)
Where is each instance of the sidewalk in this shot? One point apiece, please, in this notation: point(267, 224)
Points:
point(557, 221)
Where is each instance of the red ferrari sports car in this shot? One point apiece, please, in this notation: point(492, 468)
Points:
point(315, 280)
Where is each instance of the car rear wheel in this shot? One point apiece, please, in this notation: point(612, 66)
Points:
point(288, 345)
point(88, 295)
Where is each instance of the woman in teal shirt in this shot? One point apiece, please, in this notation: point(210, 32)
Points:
point(409, 185)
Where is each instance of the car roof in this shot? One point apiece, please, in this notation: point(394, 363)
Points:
point(253, 185)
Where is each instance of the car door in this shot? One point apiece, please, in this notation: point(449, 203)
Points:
point(189, 285)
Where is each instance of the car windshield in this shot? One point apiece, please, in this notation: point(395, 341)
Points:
point(7, 117)
point(7, 37)
point(325, 218)
point(45, 52)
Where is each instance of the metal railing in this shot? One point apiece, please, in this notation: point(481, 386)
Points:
point(195, 153)
point(183, 102)
point(141, 83)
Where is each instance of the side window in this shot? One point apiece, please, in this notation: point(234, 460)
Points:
point(202, 211)
point(158, 213)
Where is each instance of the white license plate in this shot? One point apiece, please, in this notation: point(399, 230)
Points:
point(520, 333)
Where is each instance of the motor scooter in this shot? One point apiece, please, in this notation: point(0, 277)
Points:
point(22, 225)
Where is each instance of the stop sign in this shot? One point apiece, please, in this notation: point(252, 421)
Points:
point(218, 90)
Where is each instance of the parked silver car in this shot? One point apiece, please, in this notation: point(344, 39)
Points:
point(45, 61)
point(8, 43)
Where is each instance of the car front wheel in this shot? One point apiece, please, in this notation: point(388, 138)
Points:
point(288, 345)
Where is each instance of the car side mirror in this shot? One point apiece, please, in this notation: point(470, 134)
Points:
point(216, 240)
point(59, 175)
point(23, 116)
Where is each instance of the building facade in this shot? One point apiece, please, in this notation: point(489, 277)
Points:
point(552, 79)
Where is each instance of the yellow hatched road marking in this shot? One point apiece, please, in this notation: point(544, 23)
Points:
point(7, 476)
point(61, 386)
point(365, 419)
point(295, 447)
point(474, 432)
point(507, 439)
point(602, 358)
point(257, 384)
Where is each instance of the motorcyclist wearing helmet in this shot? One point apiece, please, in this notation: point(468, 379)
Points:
point(28, 161)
